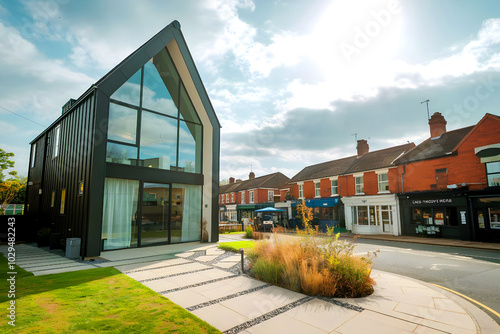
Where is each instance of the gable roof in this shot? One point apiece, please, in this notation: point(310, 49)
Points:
point(119, 74)
point(435, 147)
point(275, 180)
point(369, 161)
point(486, 116)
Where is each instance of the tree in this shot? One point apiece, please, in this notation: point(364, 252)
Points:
point(5, 162)
point(12, 190)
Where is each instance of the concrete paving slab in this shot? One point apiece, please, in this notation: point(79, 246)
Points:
point(155, 273)
point(206, 258)
point(186, 298)
point(321, 314)
point(220, 317)
point(257, 303)
point(284, 324)
point(225, 265)
point(137, 261)
point(62, 270)
point(227, 287)
point(61, 265)
point(375, 323)
point(151, 265)
point(436, 325)
point(461, 320)
point(234, 258)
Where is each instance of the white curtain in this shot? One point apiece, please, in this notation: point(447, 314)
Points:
point(119, 210)
point(191, 213)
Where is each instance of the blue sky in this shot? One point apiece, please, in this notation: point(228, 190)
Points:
point(291, 81)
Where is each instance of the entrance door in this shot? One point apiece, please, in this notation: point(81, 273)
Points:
point(386, 214)
point(155, 213)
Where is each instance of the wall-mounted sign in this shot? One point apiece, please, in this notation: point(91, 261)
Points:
point(432, 201)
point(463, 218)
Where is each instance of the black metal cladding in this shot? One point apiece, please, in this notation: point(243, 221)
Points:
point(65, 171)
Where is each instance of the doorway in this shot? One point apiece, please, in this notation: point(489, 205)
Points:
point(156, 213)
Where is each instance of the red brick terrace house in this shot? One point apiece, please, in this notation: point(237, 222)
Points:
point(238, 200)
point(450, 183)
point(360, 190)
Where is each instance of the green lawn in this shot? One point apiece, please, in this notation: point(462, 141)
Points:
point(91, 301)
point(236, 245)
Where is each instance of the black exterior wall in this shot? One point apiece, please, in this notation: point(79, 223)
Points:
point(51, 174)
point(455, 200)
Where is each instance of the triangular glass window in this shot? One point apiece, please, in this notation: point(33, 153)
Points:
point(161, 85)
point(130, 91)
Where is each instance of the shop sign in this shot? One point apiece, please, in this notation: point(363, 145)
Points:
point(439, 201)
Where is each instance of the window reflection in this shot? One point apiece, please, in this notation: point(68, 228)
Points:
point(156, 95)
point(190, 147)
point(130, 91)
point(122, 124)
point(158, 141)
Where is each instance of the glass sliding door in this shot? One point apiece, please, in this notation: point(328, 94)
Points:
point(186, 213)
point(155, 213)
point(119, 221)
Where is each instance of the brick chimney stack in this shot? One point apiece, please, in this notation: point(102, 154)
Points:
point(437, 124)
point(362, 147)
point(231, 180)
point(251, 176)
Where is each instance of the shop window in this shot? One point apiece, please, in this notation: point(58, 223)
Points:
point(383, 182)
point(439, 217)
point(359, 184)
point(335, 188)
point(327, 213)
point(362, 215)
point(427, 216)
point(373, 215)
point(494, 218)
point(493, 173)
point(317, 189)
point(416, 216)
point(480, 219)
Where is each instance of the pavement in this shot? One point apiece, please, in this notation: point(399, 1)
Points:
point(209, 283)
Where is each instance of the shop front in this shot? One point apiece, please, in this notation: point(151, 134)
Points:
point(486, 215)
point(436, 214)
point(378, 214)
point(246, 212)
point(325, 212)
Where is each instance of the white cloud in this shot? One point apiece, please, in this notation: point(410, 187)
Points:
point(35, 79)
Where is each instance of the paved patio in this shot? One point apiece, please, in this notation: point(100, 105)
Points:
point(208, 282)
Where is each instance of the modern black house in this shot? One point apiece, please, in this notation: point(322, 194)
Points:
point(134, 161)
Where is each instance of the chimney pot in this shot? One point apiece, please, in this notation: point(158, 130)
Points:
point(362, 147)
point(231, 180)
point(437, 125)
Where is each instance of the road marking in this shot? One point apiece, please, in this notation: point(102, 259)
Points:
point(468, 298)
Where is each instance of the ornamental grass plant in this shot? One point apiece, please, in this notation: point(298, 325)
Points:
point(323, 266)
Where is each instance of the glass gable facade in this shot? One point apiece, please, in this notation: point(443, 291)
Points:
point(152, 121)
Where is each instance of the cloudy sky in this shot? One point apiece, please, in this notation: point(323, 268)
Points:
point(291, 81)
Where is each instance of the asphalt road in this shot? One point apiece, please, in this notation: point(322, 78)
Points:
point(472, 272)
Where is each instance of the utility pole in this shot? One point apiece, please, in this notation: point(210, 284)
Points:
point(427, 102)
